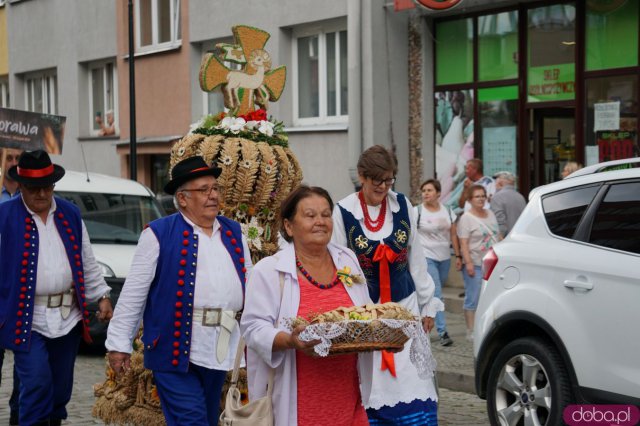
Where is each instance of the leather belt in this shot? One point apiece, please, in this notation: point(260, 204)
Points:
point(63, 300)
point(217, 317)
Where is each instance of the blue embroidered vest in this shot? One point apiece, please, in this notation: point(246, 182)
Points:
point(401, 282)
point(169, 308)
point(19, 250)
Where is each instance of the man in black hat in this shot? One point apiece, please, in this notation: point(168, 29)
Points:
point(48, 275)
point(187, 284)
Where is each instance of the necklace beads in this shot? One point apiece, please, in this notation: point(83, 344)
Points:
point(308, 276)
point(373, 225)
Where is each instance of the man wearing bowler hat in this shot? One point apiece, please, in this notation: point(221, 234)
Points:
point(187, 284)
point(48, 274)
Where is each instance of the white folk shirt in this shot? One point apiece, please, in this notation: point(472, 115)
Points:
point(217, 286)
point(54, 276)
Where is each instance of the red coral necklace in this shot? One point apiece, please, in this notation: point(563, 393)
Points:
point(373, 225)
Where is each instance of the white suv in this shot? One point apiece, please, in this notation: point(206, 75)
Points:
point(559, 313)
point(115, 211)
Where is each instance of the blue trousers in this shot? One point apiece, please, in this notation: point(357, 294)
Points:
point(191, 398)
point(439, 271)
point(15, 392)
point(46, 376)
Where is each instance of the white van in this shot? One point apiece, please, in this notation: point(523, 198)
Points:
point(115, 211)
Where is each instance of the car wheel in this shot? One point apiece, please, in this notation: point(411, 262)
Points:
point(528, 385)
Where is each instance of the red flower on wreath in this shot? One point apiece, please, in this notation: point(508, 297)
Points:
point(256, 115)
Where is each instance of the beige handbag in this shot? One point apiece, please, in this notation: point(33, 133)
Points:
point(258, 412)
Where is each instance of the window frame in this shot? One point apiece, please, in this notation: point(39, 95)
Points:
point(103, 65)
point(49, 81)
point(175, 15)
point(4, 93)
point(321, 31)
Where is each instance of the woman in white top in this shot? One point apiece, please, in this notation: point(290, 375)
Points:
point(477, 230)
point(436, 233)
point(378, 224)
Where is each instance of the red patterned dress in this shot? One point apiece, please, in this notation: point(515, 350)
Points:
point(328, 388)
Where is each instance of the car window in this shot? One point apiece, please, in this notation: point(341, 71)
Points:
point(114, 218)
point(563, 210)
point(616, 223)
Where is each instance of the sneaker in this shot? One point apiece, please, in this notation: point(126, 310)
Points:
point(445, 340)
point(470, 335)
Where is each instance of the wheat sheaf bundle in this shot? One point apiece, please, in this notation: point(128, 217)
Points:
point(255, 178)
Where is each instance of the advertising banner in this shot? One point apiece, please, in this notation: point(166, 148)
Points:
point(29, 130)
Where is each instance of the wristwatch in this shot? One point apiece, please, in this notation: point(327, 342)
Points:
point(107, 295)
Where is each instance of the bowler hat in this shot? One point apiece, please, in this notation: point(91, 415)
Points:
point(36, 169)
point(189, 169)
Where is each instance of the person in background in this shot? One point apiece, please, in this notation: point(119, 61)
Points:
point(507, 204)
point(473, 171)
point(437, 234)
point(570, 167)
point(379, 225)
point(187, 283)
point(478, 231)
point(48, 275)
point(108, 128)
point(300, 280)
point(10, 190)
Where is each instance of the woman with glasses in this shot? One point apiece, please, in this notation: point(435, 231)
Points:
point(477, 230)
point(379, 225)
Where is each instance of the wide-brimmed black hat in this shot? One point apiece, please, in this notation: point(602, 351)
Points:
point(36, 169)
point(189, 169)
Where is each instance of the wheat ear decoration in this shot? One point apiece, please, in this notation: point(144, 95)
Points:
point(248, 168)
point(267, 178)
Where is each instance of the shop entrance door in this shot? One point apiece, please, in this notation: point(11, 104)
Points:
point(552, 143)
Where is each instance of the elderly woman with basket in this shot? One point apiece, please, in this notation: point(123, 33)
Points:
point(299, 281)
point(379, 226)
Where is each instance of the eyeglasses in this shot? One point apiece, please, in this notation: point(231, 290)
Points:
point(36, 189)
point(205, 192)
point(379, 182)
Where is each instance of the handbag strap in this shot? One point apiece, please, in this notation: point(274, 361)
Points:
point(240, 352)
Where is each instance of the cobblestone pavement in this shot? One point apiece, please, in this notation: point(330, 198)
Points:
point(456, 408)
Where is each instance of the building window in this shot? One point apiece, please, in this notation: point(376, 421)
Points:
point(158, 24)
point(4, 94)
point(605, 141)
point(320, 77)
point(41, 93)
point(102, 99)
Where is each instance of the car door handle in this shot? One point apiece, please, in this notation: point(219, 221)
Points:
point(584, 285)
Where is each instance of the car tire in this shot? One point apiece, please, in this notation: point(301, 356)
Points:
point(528, 384)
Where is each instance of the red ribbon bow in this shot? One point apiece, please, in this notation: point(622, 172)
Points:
point(385, 255)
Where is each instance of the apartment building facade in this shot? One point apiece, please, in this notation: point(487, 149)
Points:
point(515, 82)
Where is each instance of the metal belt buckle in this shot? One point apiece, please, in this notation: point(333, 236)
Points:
point(54, 300)
point(211, 316)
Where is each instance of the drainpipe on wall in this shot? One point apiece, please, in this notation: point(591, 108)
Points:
point(354, 44)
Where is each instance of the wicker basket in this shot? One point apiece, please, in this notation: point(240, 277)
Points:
point(365, 336)
point(359, 328)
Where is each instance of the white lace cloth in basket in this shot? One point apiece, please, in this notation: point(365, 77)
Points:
point(420, 349)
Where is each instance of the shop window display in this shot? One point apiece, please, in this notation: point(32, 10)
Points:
point(454, 141)
point(612, 134)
